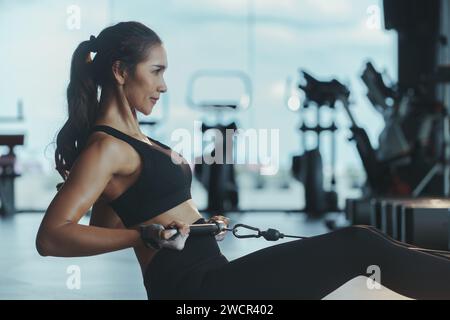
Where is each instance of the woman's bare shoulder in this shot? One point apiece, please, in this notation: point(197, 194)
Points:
point(123, 153)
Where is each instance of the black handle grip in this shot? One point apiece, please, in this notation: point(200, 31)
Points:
point(200, 229)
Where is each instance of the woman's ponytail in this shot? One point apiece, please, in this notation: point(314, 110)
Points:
point(82, 109)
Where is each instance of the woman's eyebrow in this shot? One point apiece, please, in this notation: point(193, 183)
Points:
point(160, 66)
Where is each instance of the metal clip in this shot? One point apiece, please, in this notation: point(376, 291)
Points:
point(240, 225)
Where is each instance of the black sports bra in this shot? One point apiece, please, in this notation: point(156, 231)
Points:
point(162, 184)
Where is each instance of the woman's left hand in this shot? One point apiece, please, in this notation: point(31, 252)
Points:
point(218, 218)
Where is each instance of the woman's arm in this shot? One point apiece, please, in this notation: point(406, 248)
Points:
point(102, 215)
point(60, 234)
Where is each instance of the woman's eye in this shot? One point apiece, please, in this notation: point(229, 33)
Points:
point(156, 71)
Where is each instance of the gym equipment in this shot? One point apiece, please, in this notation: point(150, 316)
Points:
point(388, 168)
point(410, 141)
point(413, 158)
point(357, 211)
point(413, 233)
point(393, 213)
point(308, 168)
point(8, 174)
point(426, 223)
point(374, 171)
point(442, 166)
point(375, 213)
point(217, 227)
point(7, 163)
point(385, 214)
point(396, 208)
point(219, 179)
point(423, 222)
point(208, 228)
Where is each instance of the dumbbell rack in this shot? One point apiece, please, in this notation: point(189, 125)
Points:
point(422, 222)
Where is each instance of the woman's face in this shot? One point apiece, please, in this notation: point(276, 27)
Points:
point(143, 88)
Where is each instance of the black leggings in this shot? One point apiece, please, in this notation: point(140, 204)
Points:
point(300, 269)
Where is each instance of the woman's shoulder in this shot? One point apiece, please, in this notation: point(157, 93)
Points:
point(119, 151)
point(103, 141)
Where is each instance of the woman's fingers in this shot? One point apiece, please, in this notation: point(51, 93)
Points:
point(221, 218)
point(175, 235)
point(181, 226)
point(221, 235)
point(166, 234)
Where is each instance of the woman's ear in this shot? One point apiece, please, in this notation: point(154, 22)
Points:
point(119, 72)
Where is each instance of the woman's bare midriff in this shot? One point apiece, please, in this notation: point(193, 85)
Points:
point(186, 211)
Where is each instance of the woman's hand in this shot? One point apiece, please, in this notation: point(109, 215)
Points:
point(172, 237)
point(218, 218)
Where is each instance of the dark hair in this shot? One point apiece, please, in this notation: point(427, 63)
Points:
point(126, 42)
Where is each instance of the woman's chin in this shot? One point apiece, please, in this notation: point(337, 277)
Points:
point(147, 111)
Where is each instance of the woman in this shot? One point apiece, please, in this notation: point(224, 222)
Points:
point(140, 198)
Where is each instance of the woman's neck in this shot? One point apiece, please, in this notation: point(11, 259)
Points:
point(116, 111)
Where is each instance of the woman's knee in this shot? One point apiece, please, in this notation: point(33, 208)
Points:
point(358, 232)
point(351, 242)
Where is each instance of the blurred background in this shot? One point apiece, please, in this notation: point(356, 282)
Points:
point(268, 40)
point(371, 70)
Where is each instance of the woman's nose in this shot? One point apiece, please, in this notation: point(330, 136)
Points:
point(163, 87)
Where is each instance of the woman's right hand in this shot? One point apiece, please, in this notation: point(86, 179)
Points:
point(157, 236)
